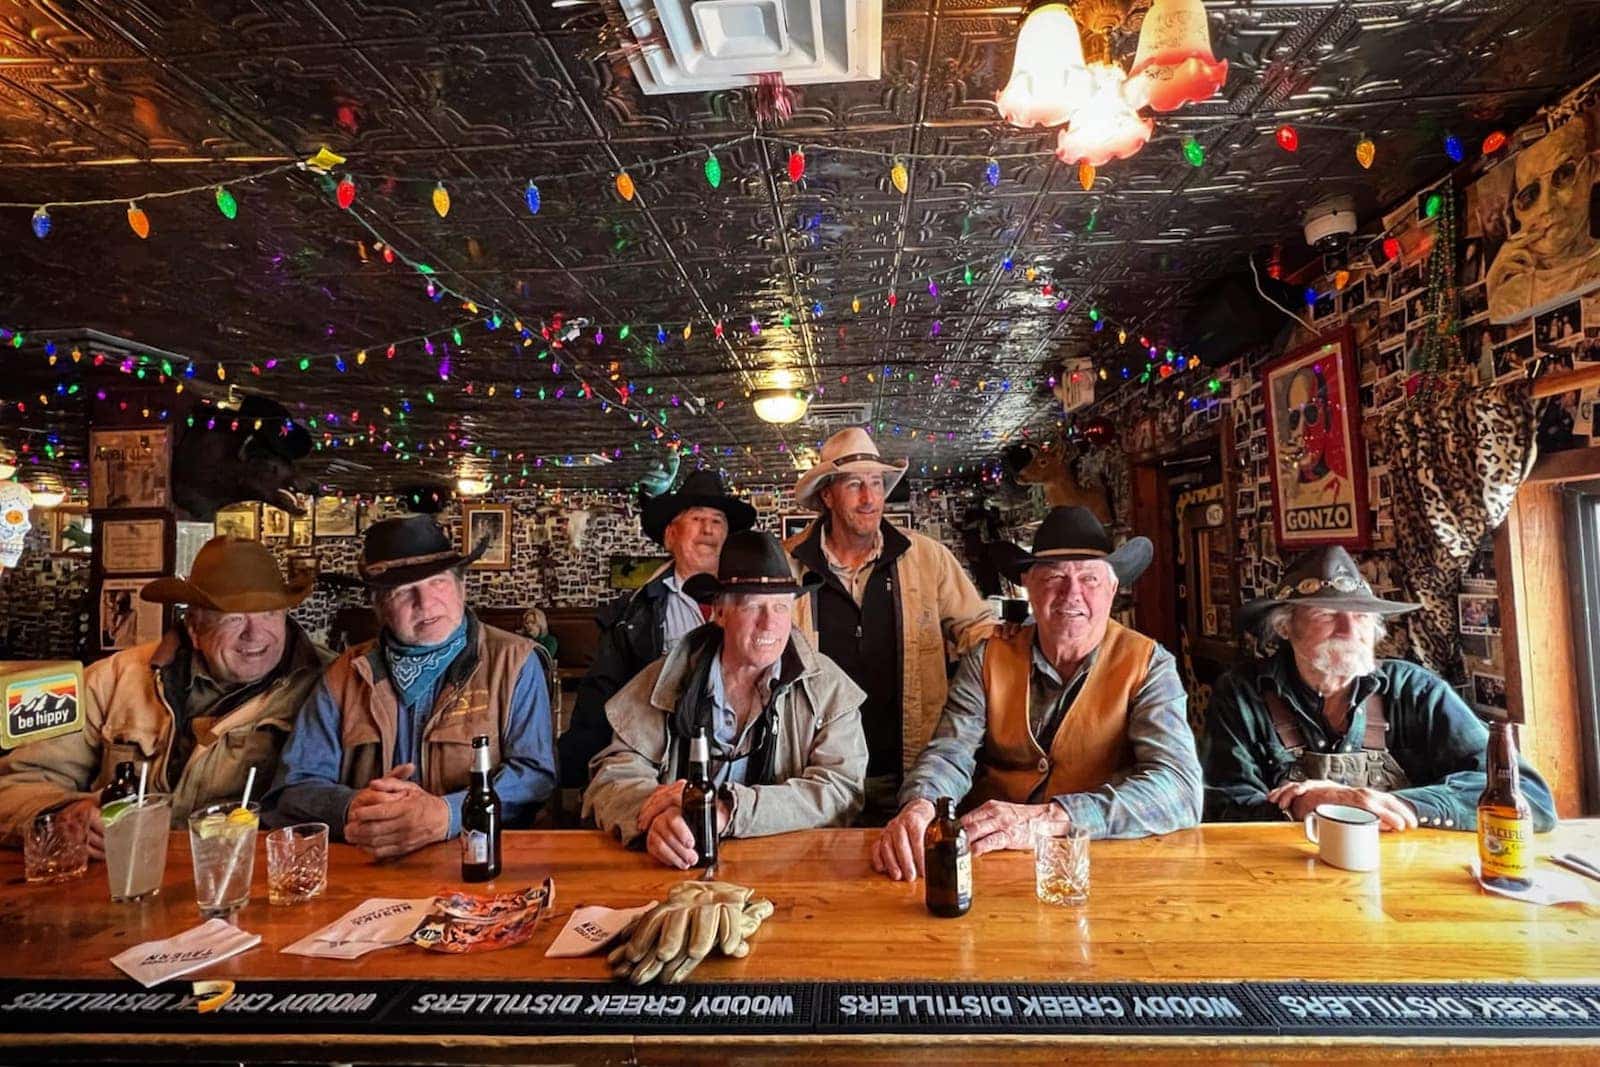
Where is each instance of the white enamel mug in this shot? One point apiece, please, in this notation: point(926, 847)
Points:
point(1345, 837)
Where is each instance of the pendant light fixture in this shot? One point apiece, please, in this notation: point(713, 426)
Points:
point(1048, 80)
point(1174, 65)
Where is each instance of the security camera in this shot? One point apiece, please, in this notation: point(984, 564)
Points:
point(1330, 224)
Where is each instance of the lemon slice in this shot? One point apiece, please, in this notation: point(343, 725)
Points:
point(241, 817)
point(216, 993)
point(213, 826)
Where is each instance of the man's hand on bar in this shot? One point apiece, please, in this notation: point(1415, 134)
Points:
point(88, 809)
point(898, 850)
point(1300, 799)
point(394, 816)
point(997, 825)
point(667, 836)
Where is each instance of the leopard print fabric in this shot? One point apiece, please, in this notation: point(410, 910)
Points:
point(1444, 505)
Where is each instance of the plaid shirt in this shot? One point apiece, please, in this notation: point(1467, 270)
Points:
point(1160, 794)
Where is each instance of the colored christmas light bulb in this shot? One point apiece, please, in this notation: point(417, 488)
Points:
point(933, 288)
point(688, 330)
point(855, 304)
point(531, 196)
point(991, 173)
point(441, 199)
point(1453, 148)
point(625, 187)
point(1391, 248)
point(138, 221)
point(966, 275)
point(716, 330)
point(1008, 265)
point(1366, 152)
point(797, 165)
point(1288, 138)
point(1341, 278)
point(661, 335)
point(40, 223)
point(622, 334)
point(226, 203)
point(344, 194)
point(893, 300)
point(1086, 175)
point(1494, 142)
point(1094, 314)
point(1311, 296)
point(1194, 152)
point(900, 176)
point(713, 170)
point(1432, 206)
point(755, 326)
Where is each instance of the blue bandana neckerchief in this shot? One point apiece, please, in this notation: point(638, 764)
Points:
point(416, 669)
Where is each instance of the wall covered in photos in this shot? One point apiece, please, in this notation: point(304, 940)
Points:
point(44, 601)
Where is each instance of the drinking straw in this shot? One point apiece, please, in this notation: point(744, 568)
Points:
point(233, 858)
point(144, 776)
point(249, 783)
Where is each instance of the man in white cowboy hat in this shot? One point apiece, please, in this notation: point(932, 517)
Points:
point(691, 524)
point(1074, 719)
point(213, 698)
point(890, 603)
point(1323, 721)
point(382, 751)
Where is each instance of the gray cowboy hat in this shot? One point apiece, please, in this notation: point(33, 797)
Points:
point(1325, 578)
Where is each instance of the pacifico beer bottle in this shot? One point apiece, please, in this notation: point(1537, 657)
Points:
point(1505, 822)
point(949, 863)
point(480, 820)
point(700, 800)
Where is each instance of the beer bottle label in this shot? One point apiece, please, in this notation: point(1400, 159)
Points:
point(964, 877)
point(474, 847)
point(1503, 846)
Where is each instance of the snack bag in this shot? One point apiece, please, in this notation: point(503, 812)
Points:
point(463, 922)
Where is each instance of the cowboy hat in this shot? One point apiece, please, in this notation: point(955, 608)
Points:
point(701, 489)
point(1325, 578)
point(231, 574)
point(409, 548)
point(751, 562)
point(850, 451)
point(1074, 533)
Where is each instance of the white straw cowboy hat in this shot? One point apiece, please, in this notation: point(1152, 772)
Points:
point(850, 451)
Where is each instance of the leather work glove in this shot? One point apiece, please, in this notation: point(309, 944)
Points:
point(671, 939)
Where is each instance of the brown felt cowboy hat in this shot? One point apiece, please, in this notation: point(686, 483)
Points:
point(1074, 533)
point(701, 489)
point(409, 548)
point(231, 574)
point(1325, 578)
point(850, 451)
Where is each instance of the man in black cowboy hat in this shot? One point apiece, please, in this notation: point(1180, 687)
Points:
point(1072, 719)
point(783, 720)
point(692, 524)
point(1324, 721)
point(382, 751)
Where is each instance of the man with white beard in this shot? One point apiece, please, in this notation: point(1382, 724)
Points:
point(1324, 721)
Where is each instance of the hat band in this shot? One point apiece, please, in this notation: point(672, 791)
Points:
point(405, 561)
point(1078, 553)
point(857, 457)
point(763, 580)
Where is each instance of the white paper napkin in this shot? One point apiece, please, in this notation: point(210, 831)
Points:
point(1551, 885)
point(154, 962)
point(592, 927)
point(381, 922)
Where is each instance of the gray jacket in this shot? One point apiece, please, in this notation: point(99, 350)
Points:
point(820, 759)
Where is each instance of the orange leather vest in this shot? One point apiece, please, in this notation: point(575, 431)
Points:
point(1091, 742)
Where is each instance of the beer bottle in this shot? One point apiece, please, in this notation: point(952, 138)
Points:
point(1505, 822)
point(948, 862)
point(480, 820)
point(123, 784)
point(700, 800)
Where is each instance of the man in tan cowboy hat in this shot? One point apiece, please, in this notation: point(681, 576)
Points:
point(890, 604)
point(1074, 719)
point(213, 698)
point(1324, 721)
point(382, 751)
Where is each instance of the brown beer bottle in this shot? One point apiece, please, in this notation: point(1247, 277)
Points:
point(1505, 822)
point(949, 863)
point(700, 800)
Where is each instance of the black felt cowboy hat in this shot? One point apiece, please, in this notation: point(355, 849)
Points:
point(408, 549)
point(1325, 578)
point(751, 562)
point(1074, 533)
point(701, 489)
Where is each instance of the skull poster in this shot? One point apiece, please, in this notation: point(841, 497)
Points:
point(1319, 477)
point(1535, 213)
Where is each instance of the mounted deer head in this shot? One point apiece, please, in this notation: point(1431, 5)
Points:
point(1050, 466)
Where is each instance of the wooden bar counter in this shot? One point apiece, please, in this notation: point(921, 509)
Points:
point(1221, 903)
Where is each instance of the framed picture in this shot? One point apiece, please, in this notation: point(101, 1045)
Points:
point(191, 538)
point(130, 468)
point(133, 545)
point(239, 520)
point(384, 507)
point(335, 516)
point(794, 525)
point(274, 522)
point(1489, 693)
point(492, 522)
point(71, 530)
point(901, 519)
point(1319, 474)
point(631, 572)
point(300, 563)
point(124, 619)
point(300, 533)
point(1480, 613)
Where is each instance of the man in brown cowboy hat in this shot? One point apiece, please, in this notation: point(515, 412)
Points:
point(1324, 721)
point(782, 720)
point(1074, 719)
point(691, 524)
point(890, 604)
point(382, 751)
point(213, 698)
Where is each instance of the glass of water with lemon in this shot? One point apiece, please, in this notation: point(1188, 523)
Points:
point(222, 841)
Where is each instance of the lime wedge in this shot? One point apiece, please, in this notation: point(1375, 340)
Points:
point(114, 810)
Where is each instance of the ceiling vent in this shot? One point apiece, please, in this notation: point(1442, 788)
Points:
point(696, 46)
point(838, 416)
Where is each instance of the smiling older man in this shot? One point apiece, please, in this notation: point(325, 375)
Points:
point(382, 750)
point(784, 721)
point(213, 698)
point(1324, 721)
point(1073, 719)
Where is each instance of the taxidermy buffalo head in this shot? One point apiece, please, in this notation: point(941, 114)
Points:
point(226, 458)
